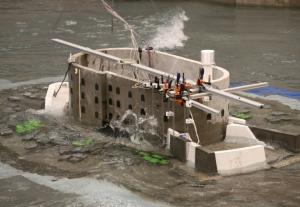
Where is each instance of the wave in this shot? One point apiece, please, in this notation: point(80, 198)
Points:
point(171, 33)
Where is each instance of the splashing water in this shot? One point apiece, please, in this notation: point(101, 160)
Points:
point(170, 34)
point(136, 127)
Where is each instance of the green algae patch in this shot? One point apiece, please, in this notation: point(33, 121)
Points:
point(244, 116)
point(28, 127)
point(83, 142)
point(153, 159)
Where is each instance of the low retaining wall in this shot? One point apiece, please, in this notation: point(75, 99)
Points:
point(287, 140)
point(240, 160)
point(225, 162)
point(272, 3)
point(205, 160)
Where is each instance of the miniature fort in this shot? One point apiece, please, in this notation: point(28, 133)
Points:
point(189, 100)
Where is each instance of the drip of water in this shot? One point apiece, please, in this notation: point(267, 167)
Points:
point(136, 127)
point(170, 34)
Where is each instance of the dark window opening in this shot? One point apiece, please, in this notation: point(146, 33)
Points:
point(142, 98)
point(71, 90)
point(118, 90)
point(110, 101)
point(82, 82)
point(165, 118)
point(130, 106)
point(143, 112)
point(110, 116)
point(96, 115)
point(96, 100)
point(83, 109)
point(129, 94)
point(208, 116)
point(118, 104)
point(96, 87)
point(222, 112)
point(82, 95)
point(109, 87)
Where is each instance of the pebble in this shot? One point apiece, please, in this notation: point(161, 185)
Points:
point(6, 132)
point(29, 95)
point(278, 113)
point(63, 150)
point(274, 120)
point(14, 98)
point(30, 145)
point(42, 139)
point(77, 157)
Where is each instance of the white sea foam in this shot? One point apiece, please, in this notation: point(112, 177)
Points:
point(90, 191)
point(70, 22)
point(170, 34)
point(135, 126)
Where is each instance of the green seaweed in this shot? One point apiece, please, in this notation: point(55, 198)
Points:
point(242, 116)
point(82, 142)
point(154, 159)
point(163, 162)
point(28, 126)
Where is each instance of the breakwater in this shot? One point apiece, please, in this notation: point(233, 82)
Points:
point(272, 3)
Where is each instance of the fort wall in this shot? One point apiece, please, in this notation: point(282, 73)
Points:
point(102, 91)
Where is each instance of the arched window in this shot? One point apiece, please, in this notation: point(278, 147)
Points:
point(117, 90)
point(118, 104)
point(142, 98)
point(82, 109)
point(143, 112)
point(96, 100)
point(110, 101)
point(82, 95)
point(96, 87)
point(130, 106)
point(129, 94)
point(208, 117)
point(222, 112)
point(82, 82)
point(109, 87)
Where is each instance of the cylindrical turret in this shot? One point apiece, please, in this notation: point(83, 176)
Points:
point(208, 61)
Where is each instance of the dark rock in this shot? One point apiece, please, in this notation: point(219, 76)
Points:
point(30, 145)
point(6, 132)
point(17, 108)
point(13, 121)
point(30, 136)
point(278, 113)
point(42, 139)
point(277, 119)
point(64, 157)
point(57, 139)
point(80, 150)
point(77, 157)
point(27, 94)
point(63, 150)
point(14, 98)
